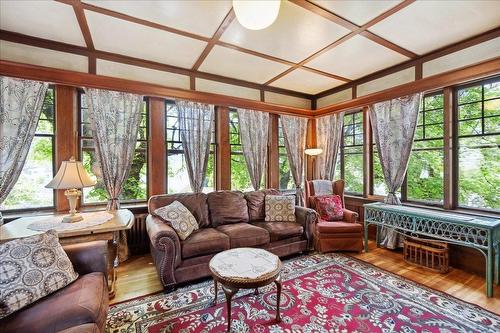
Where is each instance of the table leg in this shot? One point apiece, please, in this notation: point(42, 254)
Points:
point(216, 288)
point(366, 237)
point(278, 298)
point(112, 264)
point(489, 267)
point(229, 296)
point(497, 264)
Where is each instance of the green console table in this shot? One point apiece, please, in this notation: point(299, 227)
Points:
point(480, 233)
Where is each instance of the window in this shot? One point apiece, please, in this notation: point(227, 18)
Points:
point(240, 178)
point(286, 179)
point(352, 152)
point(135, 187)
point(38, 170)
point(424, 177)
point(479, 145)
point(177, 174)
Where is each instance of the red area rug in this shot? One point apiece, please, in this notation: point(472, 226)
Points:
point(321, 293)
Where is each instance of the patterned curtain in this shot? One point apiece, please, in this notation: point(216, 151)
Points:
point(329, 133)
point(196, 126)
point(254, 130)
point(114, 119)
point(394, 123)
point(21, 102)
point(294, 133)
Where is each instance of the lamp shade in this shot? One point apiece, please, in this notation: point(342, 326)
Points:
point(256, 15)
point(71, 174)
point(313, 151)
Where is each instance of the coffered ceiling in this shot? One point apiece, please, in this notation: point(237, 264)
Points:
point(313, 45)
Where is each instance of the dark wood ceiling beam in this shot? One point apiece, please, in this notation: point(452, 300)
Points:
point(230, 16)
point(74, 49)
point(84, 28)
point(481, 38)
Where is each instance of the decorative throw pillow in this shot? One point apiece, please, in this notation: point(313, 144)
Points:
point(329, 207)
point(179, 217)
point(280, 208)
point(32, 268)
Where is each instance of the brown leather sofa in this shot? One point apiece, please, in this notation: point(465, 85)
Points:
point(345, 235)
point(80, 307)
point(227, 219)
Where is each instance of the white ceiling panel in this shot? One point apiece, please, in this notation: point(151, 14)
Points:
point(359, 11)
point(306, 81)
point(198, 17)
point(43, 19)
point(356, 57)
point(231, 63)
point(135, 40)
point(425, 26)
point(296, 34)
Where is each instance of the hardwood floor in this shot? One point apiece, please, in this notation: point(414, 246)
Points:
point(138, 277)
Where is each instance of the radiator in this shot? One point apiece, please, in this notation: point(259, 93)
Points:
point(137, 237)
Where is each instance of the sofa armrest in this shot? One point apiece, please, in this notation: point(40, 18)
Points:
point(165, 248)
point(350, 216)
point(307, 217)
point(88, 257)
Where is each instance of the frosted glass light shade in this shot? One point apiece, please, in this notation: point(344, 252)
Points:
point(313, 151)
point(256, 15)
point(71, 175)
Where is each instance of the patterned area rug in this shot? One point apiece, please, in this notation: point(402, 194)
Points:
point(321, 293)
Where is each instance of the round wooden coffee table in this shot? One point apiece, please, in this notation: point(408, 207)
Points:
point(245, 268)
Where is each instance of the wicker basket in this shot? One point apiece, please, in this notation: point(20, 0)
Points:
point(427, 253)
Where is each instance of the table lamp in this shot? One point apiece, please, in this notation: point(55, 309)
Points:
point(71, 177)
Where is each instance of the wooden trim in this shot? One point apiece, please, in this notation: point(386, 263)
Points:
point(66, 134)
point(157, 150)
point(230, 16)
point(77, 79)
point(483, 69)
point(273, 174)
point(448, 199)
point(74, 49)
point(478, 39)
point(367, 157)
point(223, 155)
point(311, 142)
point(419, 68)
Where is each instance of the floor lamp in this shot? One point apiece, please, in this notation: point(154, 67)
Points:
point(313, 152)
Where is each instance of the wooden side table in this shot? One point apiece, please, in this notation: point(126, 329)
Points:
point(123, 219)
point(245, 268)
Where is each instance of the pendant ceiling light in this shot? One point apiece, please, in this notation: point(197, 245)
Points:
point(256, 14)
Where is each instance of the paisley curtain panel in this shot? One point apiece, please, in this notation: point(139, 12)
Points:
point(21, 102)
point(254, 131)
point(196, 126)
point(114, 119)
point(394, 123)
point(329, 133)
point(294, 134)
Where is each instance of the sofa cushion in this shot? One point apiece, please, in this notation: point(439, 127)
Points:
point(227, 207)
point(196, 203)
point(32, 268)
point(179, 218)
point(245, 235)
point(326, 227)
point(280, 208)
point(84, 301)
point(256, 203)
point(204, 241)
point(281, 230)
point(329, 207)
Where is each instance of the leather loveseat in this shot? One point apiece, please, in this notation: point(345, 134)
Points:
point(227, 219)
point(82, 306)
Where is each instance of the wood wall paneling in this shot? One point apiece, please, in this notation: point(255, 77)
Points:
point(223, 156)
point(157, 150)
point(66, 137)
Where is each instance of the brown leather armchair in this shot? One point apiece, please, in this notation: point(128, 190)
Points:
point(345, 235)
point(82, 306)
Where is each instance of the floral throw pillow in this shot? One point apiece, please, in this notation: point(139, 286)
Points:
point(179, 217)
point(329, 207)
point(279, 208)
point(32, 268)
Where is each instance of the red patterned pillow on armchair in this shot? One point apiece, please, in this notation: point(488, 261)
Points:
point(329, 207)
